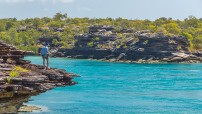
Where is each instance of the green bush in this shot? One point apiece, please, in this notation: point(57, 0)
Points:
point(16, 72)
point(29, 48)
point(90, 44)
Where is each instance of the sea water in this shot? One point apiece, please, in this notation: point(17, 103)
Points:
point(121, 88)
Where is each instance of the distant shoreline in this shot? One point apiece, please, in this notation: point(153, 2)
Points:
point(125, 61)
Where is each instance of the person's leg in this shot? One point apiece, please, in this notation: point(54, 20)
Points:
point(47, 61)
point(43, 61)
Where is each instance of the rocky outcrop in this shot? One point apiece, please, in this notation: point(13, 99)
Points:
point(119, 44)
point(10, 52)
point(156, 46)
point(16, 86)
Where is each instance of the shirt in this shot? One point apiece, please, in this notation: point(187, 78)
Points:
point(44, 50)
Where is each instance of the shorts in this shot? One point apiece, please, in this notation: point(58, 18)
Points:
point(45, 56)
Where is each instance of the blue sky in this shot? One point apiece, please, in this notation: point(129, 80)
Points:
point(130, 9)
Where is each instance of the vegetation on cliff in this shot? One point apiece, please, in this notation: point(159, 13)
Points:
point(61, 29)
point(17, 70)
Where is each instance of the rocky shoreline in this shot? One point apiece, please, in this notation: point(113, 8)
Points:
point(179, 57)
point(19, 79)
point(19, 89)
point(106, 44)
point(26, 108)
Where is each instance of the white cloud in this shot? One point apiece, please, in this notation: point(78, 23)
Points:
point(41, 1)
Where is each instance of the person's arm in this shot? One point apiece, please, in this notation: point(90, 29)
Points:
point(40, 51)
point(47, 51)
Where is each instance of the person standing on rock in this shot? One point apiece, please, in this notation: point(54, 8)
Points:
point(44, 54)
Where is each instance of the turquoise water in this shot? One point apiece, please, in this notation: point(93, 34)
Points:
point(118, 88)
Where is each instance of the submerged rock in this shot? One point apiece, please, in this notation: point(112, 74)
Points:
point(26, 108)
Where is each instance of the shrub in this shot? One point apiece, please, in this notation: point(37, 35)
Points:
point(90, 44)
point(16, 72)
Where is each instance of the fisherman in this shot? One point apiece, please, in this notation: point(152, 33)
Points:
point(44, 54)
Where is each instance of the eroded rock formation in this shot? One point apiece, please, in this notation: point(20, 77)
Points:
point(10, 52)
point(16, 89)
point(119, 44)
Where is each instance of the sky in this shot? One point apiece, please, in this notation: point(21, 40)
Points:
point(129, 9)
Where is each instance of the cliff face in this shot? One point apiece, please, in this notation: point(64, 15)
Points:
point(9, 51)
point(19, 79)
point(110, 43)
point(156, 46)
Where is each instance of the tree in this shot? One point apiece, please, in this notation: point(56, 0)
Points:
point(9, 25)
point(190, 38)
point(28, 21)
point(55, 42)
point(37, 22)
point(46, 20)
point(192, 21)
point(59, 16)
point(172, 28)
point(13, 34)
point(55, 24)
point(161, 30)
point(197, 42)
point(160, 21)
point(23, 39)
point(5, 37)
point(2, 27)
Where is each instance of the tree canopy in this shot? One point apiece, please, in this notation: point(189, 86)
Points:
point(25, 33)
